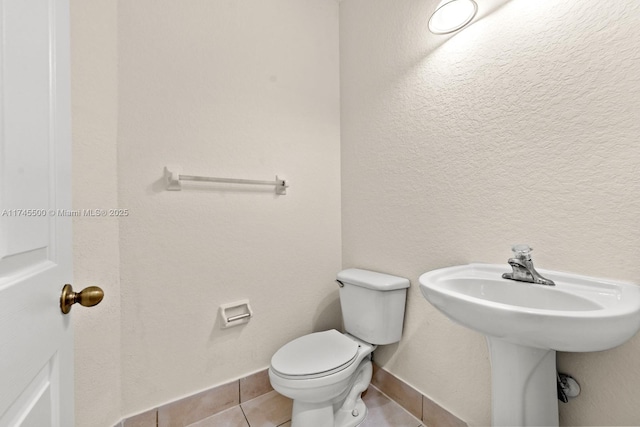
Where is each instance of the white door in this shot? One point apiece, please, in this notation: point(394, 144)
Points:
point(36, 348)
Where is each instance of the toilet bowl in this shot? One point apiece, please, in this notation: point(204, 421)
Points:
point(326, 372)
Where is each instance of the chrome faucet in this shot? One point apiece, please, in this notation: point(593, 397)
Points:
point(523, 269)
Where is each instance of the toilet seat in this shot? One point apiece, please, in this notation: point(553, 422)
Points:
point(315, 355)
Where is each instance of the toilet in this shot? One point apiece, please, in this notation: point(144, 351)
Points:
point(326, 372)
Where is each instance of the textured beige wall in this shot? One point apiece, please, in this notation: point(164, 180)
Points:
point(95, 240)
point(243, 89)
point(524, 128)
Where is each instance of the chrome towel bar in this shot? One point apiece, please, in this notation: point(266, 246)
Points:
point(173, 177)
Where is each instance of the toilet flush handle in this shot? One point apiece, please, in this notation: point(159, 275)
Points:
point(340, 283)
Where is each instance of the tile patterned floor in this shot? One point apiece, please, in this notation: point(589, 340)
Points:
point(273, 410)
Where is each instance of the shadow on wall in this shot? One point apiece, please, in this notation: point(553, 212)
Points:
point(328, 314)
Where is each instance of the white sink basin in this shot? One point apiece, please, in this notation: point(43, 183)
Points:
point(578, 314)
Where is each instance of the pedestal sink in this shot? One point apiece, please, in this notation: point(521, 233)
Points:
point(526, 323)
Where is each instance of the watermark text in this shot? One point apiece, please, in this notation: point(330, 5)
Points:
point(95, 213)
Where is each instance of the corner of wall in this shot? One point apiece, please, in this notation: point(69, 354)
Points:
point(94, 186)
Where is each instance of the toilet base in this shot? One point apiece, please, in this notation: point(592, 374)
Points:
point(345, 418)
point(311, 414)
point(351, 413)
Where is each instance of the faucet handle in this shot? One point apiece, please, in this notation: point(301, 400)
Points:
point(522, 251)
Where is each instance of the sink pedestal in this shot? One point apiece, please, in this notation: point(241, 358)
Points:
point(523, 385)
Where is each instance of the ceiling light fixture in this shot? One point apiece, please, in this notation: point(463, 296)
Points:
point(451, 15)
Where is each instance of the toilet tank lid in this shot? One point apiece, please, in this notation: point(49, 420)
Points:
point(372, 280)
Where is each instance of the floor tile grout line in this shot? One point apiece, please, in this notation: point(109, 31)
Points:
point(240, 404)
point(244, 415)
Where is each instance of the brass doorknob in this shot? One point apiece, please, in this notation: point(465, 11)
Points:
point(87, 297)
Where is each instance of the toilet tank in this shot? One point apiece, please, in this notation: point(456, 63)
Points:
point(373, 305)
